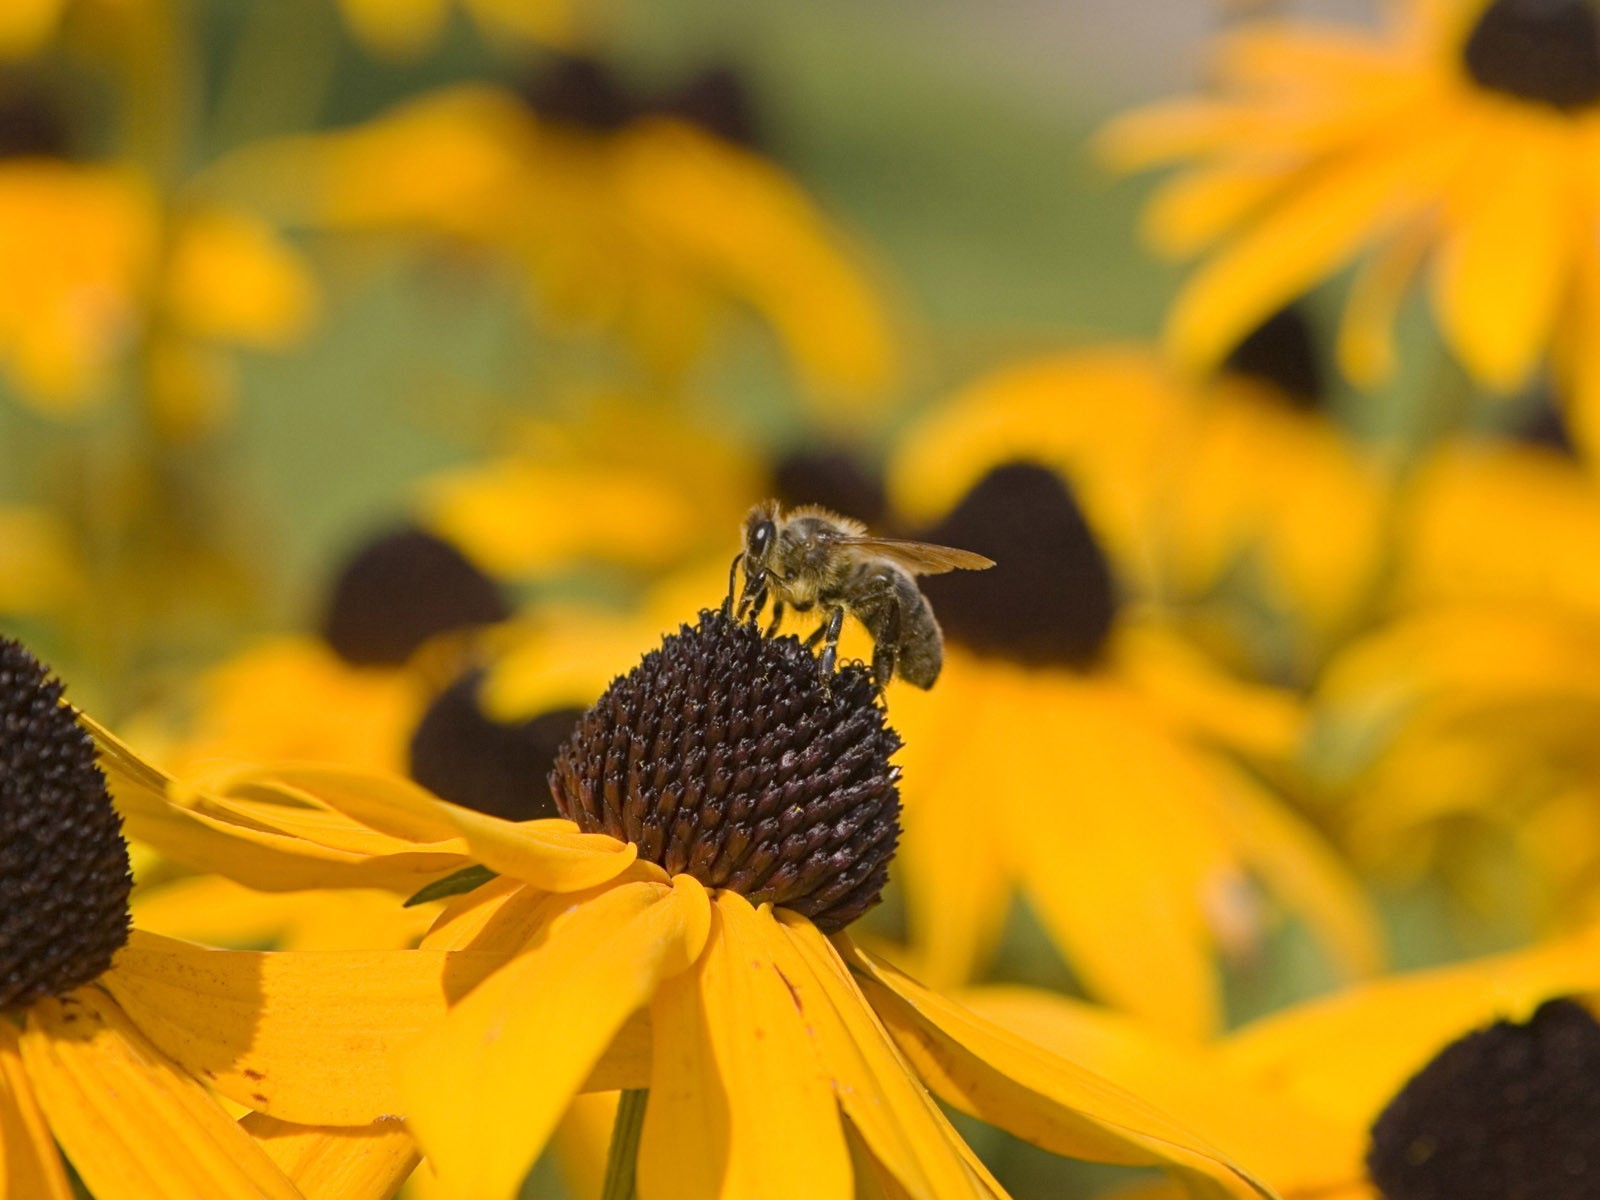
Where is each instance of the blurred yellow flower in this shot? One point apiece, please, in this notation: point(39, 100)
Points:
point(1203, 490)
point(771, 1052)
point(1453, 144)
point(406, 28)
point(1110, 756)
point(635, 224)
point(39, 569)
point(1403, 1083)
point(78, 1069)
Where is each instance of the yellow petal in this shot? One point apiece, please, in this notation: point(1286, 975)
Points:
point(29, 1164)
point(305, 1036)
point(878, 1090)
point(334, 1164)
point(992, 1074)
point(1502, 259)
point(549, 854)
point(1347, 1055)
point(738, 1106)
point(486, 1088)
point(1188, 213)
point(25, 26)
point(396, 28)
point(133, 1125)
point(1294, 1150)
point(231, 278)
point(1366, 329)
point(1308, 235)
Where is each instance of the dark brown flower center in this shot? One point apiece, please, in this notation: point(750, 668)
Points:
point(587, 93)
point(462, 754)
point(402, 589)
point(64, 874)
point(724, 756)
point(33, 121)
point(1050, 600)
point(1282, 353)
point(1511, 1112)
point(1546, 51)
point(833, 478)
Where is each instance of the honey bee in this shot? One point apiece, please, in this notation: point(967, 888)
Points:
point(810, 558)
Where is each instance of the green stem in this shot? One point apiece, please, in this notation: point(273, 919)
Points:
point(623, 1159)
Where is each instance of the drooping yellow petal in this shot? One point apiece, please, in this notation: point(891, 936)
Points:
point(1309, 234)
point(335, 1164)
point(878, 1090)
point(396, 28)
point(738, 1104)
point(1051, 1102)
point(1366, 350)
point(1504, 247)
point(1290, 1148)
point(549, 854)
point(29, 1164)
point(1190, 212)
point(1121, 861)
point(1347, 1055)
point(484, 1090)
point(305, 1036)
point(132, 1123)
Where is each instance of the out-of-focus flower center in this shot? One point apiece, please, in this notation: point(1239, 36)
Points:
point(725, 756)
point(1051, 600)
point(1511, 1112)
point(33, 123)
point(833, 478)
point(1282, 353)
point(586, 93)
point(64, 874)
point(1547, 51)
point(397, 592)
point(461, 753)
point(1545, 425)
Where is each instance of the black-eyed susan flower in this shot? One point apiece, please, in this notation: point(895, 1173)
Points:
point(1448, 148)
point(742, 814)
point(77, 1070)
point(623, 218)
point(1219, 497)
point(1475, 1082)
point(1144, 845)
point(396, 626)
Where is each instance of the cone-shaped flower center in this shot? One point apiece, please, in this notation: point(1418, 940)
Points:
point(723, 755)
point(579, 91)
point(1511, 1112)
point(402, 589)
point(64, 875)
point(1282, 353)
point(717, 100)
point(832, 478)
point(461, 753)
point(1051, 600)
point(1547, 51)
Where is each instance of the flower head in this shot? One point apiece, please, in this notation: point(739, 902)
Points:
point(723, 755)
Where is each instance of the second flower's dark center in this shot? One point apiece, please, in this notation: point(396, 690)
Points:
point(1511, 1112)
point(725, 756)
point(1051, 599)
point(461, 753)
point(833, 478)
point(1546, 51)
point(587, 93)
point(33, 122)
point(1282, 353)
point(64, 875)
point(399, 591)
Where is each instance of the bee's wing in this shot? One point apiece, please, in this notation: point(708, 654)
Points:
point(920, 558)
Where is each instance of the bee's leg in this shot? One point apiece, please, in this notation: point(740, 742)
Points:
point(886, 647)
point(777, 617)
point(754, 597)
point(816, 636)
point(830, 643)
point(733, 583)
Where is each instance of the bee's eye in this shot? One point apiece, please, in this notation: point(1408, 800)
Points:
point(761, 538)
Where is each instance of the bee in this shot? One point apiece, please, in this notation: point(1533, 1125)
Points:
point(812, 558)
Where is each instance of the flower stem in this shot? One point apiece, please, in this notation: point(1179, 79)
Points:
point(623, 1160)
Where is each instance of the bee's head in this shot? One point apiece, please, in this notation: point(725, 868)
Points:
point(760, 535)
